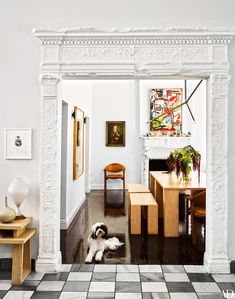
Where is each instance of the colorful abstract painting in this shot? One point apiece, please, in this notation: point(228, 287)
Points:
point(162, 100)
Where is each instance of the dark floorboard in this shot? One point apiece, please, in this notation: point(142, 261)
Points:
point(144, 249)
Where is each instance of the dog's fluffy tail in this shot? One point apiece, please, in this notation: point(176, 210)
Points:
point(113, 243)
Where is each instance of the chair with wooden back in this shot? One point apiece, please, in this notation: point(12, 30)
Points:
point(114, 171)
point(197, 209)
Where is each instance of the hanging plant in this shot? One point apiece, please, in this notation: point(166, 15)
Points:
point(183, 161)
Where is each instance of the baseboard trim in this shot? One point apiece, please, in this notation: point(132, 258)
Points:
point(88, 189)
point(65, 223)
point(109, 186)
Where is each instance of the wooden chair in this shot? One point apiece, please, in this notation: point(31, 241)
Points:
point(197, 209)
point(114, 171)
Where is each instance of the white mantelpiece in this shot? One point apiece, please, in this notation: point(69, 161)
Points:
point(159, 148)
point(138, 53)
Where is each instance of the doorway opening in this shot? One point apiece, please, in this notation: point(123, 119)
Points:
point(129, 101)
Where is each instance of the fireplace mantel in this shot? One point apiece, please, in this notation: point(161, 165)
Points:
point(159, 148)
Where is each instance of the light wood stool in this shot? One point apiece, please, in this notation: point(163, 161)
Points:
point(19, 236)
point(138, 200)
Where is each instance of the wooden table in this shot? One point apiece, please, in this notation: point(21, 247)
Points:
point(19, 236)
point(165, 188)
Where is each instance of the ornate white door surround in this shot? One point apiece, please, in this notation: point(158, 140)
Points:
point(168, 53)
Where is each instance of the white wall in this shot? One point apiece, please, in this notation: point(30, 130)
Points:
point(20, 58)
point(115, 100)
point(75, 93)
point(64, 145)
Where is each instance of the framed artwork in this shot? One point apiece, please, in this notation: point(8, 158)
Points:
point(18, 143)
point(78, 143)
point(161, 101)
point(115, 133)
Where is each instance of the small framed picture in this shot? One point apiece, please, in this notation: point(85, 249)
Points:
point(115, 133)
point(18, 143)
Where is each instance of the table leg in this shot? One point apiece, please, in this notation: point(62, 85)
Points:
point(17, 264)
point(159, 199)
point(27, 257)
point(171, 213)
point(21, 262)
point(153, 186)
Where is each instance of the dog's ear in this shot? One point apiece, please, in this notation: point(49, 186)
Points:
point(105, 229)
point(93, 235)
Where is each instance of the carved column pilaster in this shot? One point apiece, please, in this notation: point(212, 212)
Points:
point(216, 256)
point(49, 258)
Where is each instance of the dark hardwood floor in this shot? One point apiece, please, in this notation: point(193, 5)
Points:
point(141, 249)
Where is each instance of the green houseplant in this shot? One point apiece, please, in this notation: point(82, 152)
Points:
point(183, 161)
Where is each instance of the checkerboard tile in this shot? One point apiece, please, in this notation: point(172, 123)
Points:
point(206, 287)
point(127, 268)
point(173, 268)
point(97, 286)
point(18, 295)
point(50, 286)
point(128, 277)
point(120, 281)
point(210, 296)
point(79, 276)
point(150, 268)
point(5, 286)
point(156, 296)
point(183, 277)
point(73, 295)
point(128, 296)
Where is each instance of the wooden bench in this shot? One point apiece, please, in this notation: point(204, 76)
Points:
point(138, 200)
point(19, 236)
point(137, 188)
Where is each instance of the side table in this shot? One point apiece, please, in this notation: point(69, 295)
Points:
point(19, 236)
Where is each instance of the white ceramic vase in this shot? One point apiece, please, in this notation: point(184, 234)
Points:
point(18, 190)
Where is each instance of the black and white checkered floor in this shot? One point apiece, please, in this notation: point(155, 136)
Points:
point(121, 281)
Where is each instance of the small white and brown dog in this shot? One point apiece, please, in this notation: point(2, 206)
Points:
point(97, 242)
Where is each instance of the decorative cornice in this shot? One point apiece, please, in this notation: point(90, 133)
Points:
point(172, 36)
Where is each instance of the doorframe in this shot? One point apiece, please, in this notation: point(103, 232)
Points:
point(135, 54)
point(87, 153)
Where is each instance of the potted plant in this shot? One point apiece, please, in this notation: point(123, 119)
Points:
point(183, 161)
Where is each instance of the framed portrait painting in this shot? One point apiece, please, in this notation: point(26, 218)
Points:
point(18, 143)
point(115, 133)
point(162, 100)
point(78, 143)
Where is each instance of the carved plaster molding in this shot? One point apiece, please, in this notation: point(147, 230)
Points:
point(166, 36)
point(136, 53)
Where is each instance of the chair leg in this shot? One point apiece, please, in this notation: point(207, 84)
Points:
point(193, 229)
point(105, 184)
point(105, 192)
point(124, 203)
point(105, 202)
point(186, 214)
